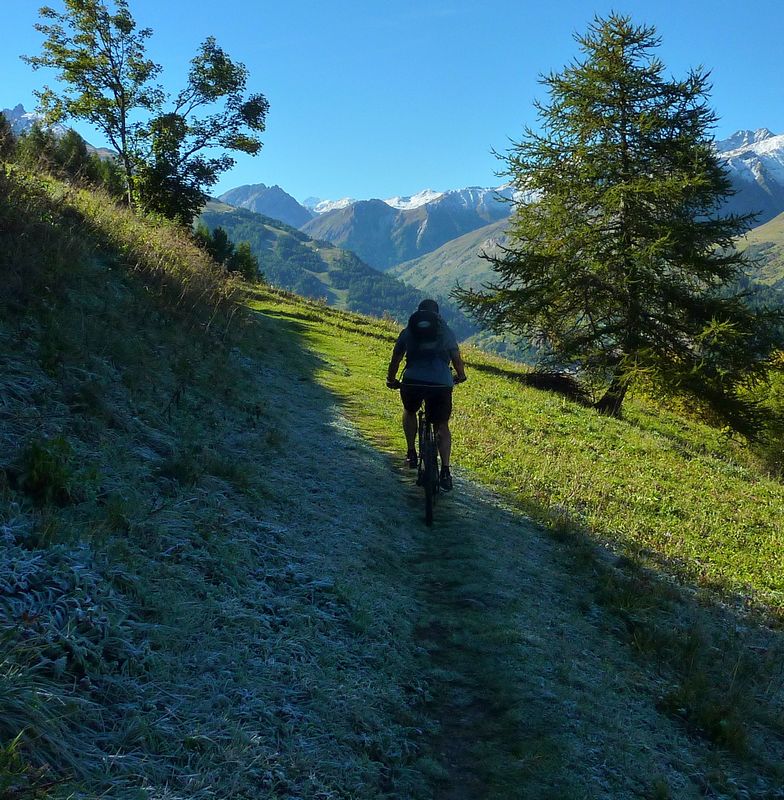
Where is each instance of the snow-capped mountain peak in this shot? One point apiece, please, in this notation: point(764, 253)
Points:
point(755, 161)
point(21, 120)
point(745, 139)
point(750, 153)
point(319, 206)
point(470, 197)
point(415, 200)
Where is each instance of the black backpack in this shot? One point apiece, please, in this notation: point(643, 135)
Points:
point(423, 333)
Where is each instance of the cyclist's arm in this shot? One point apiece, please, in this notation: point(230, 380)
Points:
point(458, 364)
point(394, 365)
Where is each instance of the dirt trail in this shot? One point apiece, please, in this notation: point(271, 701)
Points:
point(531, 693)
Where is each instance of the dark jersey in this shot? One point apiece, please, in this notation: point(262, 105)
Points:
point(427, 362)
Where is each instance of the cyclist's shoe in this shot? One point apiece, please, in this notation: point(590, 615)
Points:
point(445, 479)
point(411, 459)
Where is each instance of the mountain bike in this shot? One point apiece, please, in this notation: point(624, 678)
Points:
point(428, 470)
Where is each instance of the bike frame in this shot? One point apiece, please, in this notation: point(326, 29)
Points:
point(428, 471)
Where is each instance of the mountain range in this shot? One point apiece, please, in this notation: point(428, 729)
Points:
point(21, 121)
point(292, 260)
point(433, 239)
point(756, 165)
point(459, 260)
point(401, 232)
point(270, 201)
point(383, 233)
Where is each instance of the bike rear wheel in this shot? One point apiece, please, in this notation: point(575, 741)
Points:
point(428, 452)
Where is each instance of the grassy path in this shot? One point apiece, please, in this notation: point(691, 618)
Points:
point(239, 599)
point(535, 686)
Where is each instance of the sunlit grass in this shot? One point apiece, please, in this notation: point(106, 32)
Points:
point(677, 493)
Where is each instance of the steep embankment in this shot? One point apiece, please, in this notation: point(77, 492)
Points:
point(213, 585)
point(188, 606)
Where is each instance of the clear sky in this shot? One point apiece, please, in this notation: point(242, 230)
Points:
point(372, 98)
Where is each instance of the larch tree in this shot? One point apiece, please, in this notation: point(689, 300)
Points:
point(622, 263)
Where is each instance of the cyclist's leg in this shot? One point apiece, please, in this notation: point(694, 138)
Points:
point(410, 428)
point(444, 443)
point(412, 401)
point(440, 410)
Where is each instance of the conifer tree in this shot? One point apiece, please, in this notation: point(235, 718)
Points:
point(622, 263)
point(7, 138)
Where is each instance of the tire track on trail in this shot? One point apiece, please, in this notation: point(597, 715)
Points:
point(533, 693)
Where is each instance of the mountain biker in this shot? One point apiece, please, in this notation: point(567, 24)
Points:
point(429, 346)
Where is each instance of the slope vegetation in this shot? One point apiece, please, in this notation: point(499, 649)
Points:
point(292, 260)
point(632, 507)
point(765, 244)
point(180, 609)
point(215, 581)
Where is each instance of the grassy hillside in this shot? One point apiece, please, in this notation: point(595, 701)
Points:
point(212, 585)
point(292, 260)
point(459, 260)
point(766, 243)
point(456, 261)
point(681, 495)
point(168, 627)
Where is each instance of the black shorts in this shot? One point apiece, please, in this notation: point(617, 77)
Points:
point(438, 400)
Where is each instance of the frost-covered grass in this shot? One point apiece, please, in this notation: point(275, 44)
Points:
point(174, 623)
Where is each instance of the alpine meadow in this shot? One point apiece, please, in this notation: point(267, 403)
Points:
point(216, 580)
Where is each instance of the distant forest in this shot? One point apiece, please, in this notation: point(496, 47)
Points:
point(292, 260)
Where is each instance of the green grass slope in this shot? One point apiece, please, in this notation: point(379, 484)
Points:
point(457, 261)
point(677, 493)
point(641, 505)
point(766, 243)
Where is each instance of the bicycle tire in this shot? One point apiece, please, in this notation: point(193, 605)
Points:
point(429, 503)
point(430, 459)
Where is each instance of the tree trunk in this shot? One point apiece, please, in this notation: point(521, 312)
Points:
point(612, 400)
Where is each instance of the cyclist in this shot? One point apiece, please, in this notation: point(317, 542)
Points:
point(429, 346)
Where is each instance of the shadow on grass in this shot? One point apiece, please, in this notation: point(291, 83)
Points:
point(719, 663)
point(558, 382)
point(478, 746)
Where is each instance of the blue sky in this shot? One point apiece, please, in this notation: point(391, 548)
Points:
point(374, 99)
